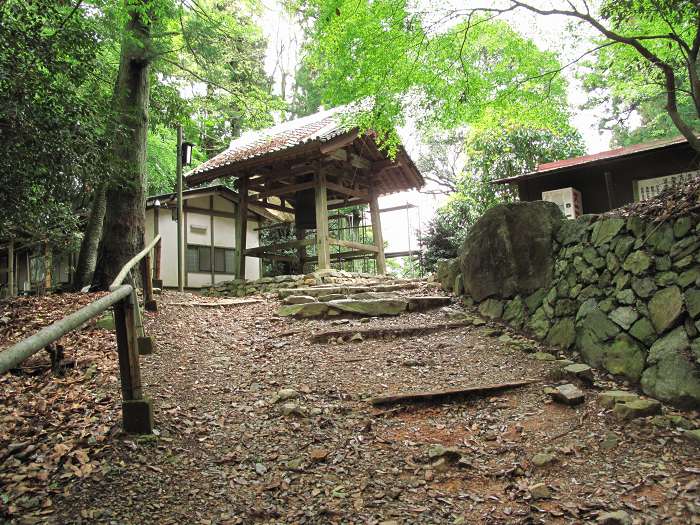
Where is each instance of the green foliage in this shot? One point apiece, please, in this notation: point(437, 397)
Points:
point(52, 119)
point(492, 153)
point(627, 84)
point(399, 62)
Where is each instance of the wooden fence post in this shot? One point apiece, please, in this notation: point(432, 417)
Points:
point(148, 302)
point(137, 412)
point(157, 282)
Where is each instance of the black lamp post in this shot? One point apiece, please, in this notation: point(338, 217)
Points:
point(187, 153)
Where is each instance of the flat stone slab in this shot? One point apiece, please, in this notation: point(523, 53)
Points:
point(420, 304)
point(303, 310)
point(311, 292)
point(299, 299)
point(331, 297)
point(568, 394)
point(374, 295)
point(610, 398)
point(693, 435)
point(543, 356)
point(580, 370)
point(316, 291)
point(637, 408)
point(370, 307)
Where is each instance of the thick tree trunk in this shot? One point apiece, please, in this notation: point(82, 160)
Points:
point(123, 229)
point(87, 259)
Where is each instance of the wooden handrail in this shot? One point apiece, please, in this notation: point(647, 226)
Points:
point(137, 411)
point(20, 351)
point(132, 262)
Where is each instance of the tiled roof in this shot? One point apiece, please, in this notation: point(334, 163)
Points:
point(319, 127)
point(551, 167)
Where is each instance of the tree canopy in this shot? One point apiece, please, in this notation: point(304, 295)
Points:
point(404, 63)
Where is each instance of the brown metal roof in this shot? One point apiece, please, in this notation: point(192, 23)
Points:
point(595, 158)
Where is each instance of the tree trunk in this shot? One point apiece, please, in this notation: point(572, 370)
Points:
point(124, 224)
point(87, 259)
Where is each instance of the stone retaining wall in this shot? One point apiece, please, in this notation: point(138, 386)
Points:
point(624, 293)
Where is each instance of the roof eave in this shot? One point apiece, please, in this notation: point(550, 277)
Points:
point(590, 163)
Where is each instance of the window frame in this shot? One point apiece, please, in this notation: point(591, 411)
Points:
point(212, 260)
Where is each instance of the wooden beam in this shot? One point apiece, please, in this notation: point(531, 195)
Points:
point(282, 190)
point(360, 162)
point(381, 165)
point(339, 154)
point(610, 189)
point(274, 257)
point(241, 227)
point(396, 208)
point(352, 244)
point(324, 261)
point(279, 246)
point(350, 202)
point(269, 205)
point(347, 191)
point(377, 231)
point(210, 212)
point(345, 256)
point(339, 142)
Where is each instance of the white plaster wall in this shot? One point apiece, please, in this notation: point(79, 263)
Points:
point(221, 204)
point(202, 235)
point(199, 280)
point(167, 228)
point(224, 237)
point(224, 232)
point(198, 202)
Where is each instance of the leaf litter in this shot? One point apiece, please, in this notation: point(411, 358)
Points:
point(252, 431)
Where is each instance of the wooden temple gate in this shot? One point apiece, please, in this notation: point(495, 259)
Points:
point(306, 168)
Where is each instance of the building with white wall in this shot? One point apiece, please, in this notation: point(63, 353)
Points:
point(209, 227)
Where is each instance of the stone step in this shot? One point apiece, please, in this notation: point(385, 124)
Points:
point(316, 291)
point(364, 307)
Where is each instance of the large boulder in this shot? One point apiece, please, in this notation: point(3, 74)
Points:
point(509, 250)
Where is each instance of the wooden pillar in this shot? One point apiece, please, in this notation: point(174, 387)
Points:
point(610, 188)
point(241, 227)
point(156, 271)
point(127, 348)
point(377, 231)
point(48, 266)
point(11, 267)
point(181, 272)
point(301, 250)
point(149, 302)
point(137, 411)
point(322, 249)
point(211, 240)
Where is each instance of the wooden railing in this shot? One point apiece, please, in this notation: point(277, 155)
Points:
point(131, 341)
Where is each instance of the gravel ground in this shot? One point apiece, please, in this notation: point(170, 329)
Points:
point(226, 452)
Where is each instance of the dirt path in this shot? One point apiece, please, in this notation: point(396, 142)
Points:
point(227, 453)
